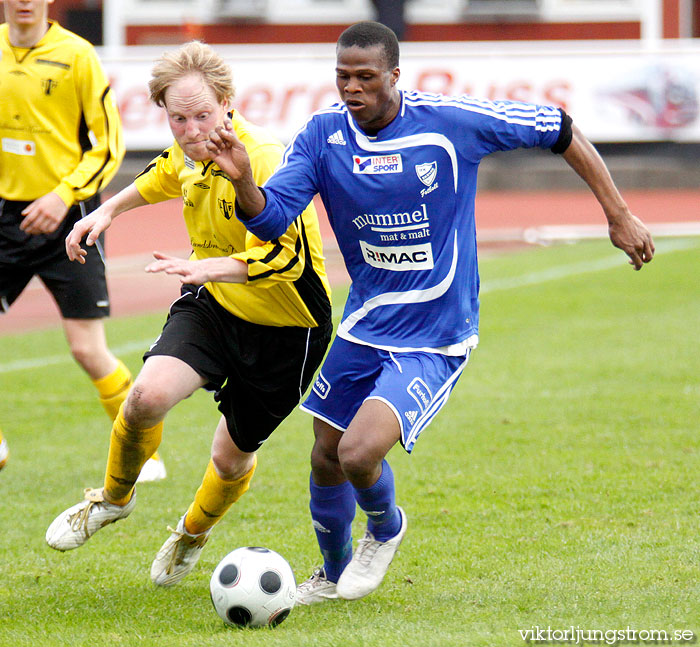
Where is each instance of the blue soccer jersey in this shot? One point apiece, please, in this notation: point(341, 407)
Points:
point(401, 205)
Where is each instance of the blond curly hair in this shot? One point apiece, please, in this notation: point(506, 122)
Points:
point(192, 58)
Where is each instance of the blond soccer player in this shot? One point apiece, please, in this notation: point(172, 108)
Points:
point(252, 323)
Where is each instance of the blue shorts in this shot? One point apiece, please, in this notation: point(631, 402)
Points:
point(414, 385)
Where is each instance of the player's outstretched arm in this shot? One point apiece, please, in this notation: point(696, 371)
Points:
point(100, 220)
point(232, 158)
point(627, 232)
point(218, 269)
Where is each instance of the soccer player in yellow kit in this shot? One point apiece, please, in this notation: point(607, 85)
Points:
point(252, 323)
point(61, 144)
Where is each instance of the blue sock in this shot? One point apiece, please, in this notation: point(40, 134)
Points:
point(332, 511)
point(379, 503)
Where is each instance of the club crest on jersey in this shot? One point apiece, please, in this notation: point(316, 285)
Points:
point(48, 86)
point(427, 172)
point(377, 164)
point(226, 208)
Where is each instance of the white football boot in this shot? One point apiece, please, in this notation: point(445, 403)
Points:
point(316, 589)
point(153, 470)
point(178, 555)
point(369, 564)
point(73, 527)
point(4, 451)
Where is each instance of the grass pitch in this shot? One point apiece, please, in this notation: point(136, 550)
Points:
point(558, 488)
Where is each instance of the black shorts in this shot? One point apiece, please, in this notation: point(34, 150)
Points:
point(79, 290)
point(259, 373)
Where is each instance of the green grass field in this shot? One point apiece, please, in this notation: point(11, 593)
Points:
point(558, 488)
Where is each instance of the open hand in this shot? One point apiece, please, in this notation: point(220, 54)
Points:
point(92, 225)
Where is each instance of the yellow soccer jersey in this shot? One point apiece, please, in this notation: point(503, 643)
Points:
point(59, 124)
point(287, 283)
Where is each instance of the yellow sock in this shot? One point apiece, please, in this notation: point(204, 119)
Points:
point(113, 389)
point(129, 449)
point(214, 497)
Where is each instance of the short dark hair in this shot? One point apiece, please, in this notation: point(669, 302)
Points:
point(368, 34)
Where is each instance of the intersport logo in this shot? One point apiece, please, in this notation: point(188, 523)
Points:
point(398, 258)
point(377, 164)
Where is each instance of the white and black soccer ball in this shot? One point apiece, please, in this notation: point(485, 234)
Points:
point(253, 587)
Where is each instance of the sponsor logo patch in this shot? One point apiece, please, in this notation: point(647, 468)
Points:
point(398, 258)
point(420, 392)
point(321, 387)
point(18, 146)
point(377, 164)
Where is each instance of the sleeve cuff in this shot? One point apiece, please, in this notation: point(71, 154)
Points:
point(263, 225)
point(65, 193)
point(242, 215)
point(566, 134)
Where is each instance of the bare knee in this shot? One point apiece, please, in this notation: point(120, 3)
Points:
point(230, 462)
point(359, 466)
point(146, 405)
point(361, 458)
point(231, 467)
point(324, 460)
point(96, 362)
point(325, 465)
point(372, 433)
point(88, 346)
point(81, 354)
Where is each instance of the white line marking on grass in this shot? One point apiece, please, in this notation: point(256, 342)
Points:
point(52, 360)
point(533, 278)
point(574, 269)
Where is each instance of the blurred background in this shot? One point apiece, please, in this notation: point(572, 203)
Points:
point(627, 70)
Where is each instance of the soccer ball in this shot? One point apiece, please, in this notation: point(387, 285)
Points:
point(253, 587)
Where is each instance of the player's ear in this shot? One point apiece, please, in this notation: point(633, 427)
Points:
point(395, 74)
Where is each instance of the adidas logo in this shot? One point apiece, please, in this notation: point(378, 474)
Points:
point(411, 416)
point(337, 138)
